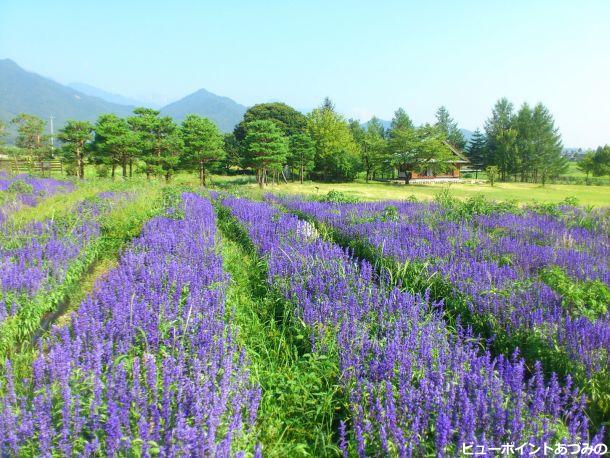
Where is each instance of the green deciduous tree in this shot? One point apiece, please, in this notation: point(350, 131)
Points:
point(337, 155)
point(420, 150)
point(493, 173)
point(203, 144)
point(31, 138)
point(446, 124)
point(302, 153)
point(596, 163)
point(373, 147)
point(75, 136)
point(266, 147)
point(549, 159)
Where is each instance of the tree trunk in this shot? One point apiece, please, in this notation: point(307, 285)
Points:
point(112, 172)
point(124, 165)
point(80, 165)
point(130, 168)
point(408, 176)
point(202, 173)
point(302, 173)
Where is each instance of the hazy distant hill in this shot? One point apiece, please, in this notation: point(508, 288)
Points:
point(108, 96)
point(25, 92)
point(225, 112)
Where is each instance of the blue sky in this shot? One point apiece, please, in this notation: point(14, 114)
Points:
point(369, 57)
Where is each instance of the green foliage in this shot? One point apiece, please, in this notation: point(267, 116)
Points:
point(373, 147)
point(31, 137)
point(203, 144)
point(580, 298)
point(337, 197)
point(420, 150)
point(286, 118)
point(159, 140)
point(115, 144)
point(493, 172)
point(302, 152)
point(337, 153)
point(266, 147)
point(446, 124)
point(477, 149)
point(596, 163)
point(20, 187)
point(75, 136)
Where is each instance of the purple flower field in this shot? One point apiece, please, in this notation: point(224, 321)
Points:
point(147, 365)
point(161, 358)
point(413, 386)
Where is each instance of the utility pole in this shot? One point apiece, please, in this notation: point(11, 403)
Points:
point(52, 133)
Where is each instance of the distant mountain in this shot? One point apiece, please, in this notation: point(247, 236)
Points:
point(25, 92)
point(108, 96)
point(467, 134)
point(225, 112)
point(386, 124)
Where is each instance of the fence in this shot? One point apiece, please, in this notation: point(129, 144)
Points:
point(29, 166)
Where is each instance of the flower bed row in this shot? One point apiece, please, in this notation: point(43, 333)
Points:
point(42, 261)
point(147, 364)
point(25, 190)
point(412, 386)
point(462, 263)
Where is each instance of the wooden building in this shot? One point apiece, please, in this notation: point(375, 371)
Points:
point(458, 161)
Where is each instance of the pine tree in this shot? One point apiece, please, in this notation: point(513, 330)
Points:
point(266, 147)
point(501, 137)
point(75, 136)
point(477, 150)
point(549, 162)
point(203, 144)
point(446, 124)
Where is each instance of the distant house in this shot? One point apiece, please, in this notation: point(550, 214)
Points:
point(458, 161)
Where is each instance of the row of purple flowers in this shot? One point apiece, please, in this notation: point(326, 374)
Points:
point(30, 194)
point(147, 364)
point(412, 387)
point(493, 261)
point(36, 258)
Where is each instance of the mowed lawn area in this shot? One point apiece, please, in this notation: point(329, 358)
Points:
point(521, 192)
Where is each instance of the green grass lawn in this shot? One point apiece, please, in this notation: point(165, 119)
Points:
point(521, 192)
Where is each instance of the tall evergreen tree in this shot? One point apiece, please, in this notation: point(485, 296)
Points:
point(477, 149)
point(75, 136)
point(203, 144)
point(446, 124)
point(401, 120)
point(267, 148)
point(501, 137)
point(549, 161)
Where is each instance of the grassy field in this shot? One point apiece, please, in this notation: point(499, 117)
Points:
point(521, 192)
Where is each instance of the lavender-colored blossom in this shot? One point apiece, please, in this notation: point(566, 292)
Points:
point(412, 385)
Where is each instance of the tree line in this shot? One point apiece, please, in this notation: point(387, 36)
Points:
point(276, 142)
